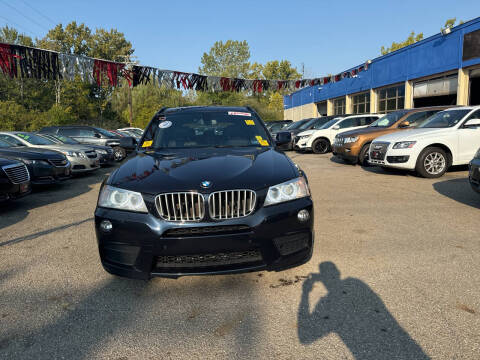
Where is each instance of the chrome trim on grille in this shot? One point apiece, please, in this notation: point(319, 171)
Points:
point(180, 206)
point(17, 173)
point(231, 204)
point(58, 162)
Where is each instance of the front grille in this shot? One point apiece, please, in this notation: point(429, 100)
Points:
point(208, 260)
point(339, 141)
point(17, 173)
point(206, 230)
point(231, 204)
point(180, 206)
point(58, 162)
point(91, 154)
point(378, 150)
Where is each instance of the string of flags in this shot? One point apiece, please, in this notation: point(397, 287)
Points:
point(17, 61)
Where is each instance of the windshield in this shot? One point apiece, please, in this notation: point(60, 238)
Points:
point(329, 123)
point(34, 139)
point(277, 126)
point(296, 125)
point(65, 139)
point(205, 129)
point(106, 133)
point(444, 119)
point(388, 120)
point(4, 144)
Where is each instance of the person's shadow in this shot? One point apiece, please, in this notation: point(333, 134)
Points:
point(357, 315)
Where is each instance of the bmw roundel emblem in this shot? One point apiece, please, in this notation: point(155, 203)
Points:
point(206, 184)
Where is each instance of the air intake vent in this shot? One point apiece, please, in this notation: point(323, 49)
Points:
point(17, 173)
point(231, 204)
point(181, 206)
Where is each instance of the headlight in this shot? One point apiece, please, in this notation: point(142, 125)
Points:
point(81, 154)
point(115, 198)
point(290, 190)
point(303, 137)
point(69, 153)
point(404, 144)
point(350, 139)
point(103, 152)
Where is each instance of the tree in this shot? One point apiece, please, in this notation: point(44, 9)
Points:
point(450, 23)
point(229, 59)
point(12, 36)
point(109, 45)
point(412, 38)
point(74, 39)
point(282, 70)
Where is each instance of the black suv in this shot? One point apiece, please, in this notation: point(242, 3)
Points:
point(207, 193)
point(95, 136)
point(14, 179)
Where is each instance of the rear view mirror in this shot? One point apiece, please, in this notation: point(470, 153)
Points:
point(404, 124)
point(128, 143)
point(97, 135)
point(472, 123)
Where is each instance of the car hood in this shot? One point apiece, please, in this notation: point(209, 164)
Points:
point(366, 130)
point(4, 162)
point(30, 153)
point(65, 147)
point(252, 168)
point(414, 134)
point(306, 132)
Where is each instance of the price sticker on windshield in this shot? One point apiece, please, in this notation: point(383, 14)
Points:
point(147, 143)
point(250, 122)
point(262, 141)
point(236, 113)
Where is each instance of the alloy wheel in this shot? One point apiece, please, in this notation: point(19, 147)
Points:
point(434, 163)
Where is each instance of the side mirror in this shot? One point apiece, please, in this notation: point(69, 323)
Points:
point(128, 143)
point(336, 127)
point(97, 135)
point(472, 123)
point(283, 138)
point(404, 124)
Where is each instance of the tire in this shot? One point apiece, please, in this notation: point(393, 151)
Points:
point(119, 153)
point(432, 163)
point(363, 155)
point(321, 146)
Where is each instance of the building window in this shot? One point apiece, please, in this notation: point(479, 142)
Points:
point(339, 106)
point(391, 99)
point(361, 103)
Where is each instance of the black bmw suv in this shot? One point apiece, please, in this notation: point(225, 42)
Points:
point(207, 193)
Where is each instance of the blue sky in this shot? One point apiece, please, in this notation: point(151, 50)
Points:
point(326, 36)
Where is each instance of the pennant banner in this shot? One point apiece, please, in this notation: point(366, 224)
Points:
point(18, 61)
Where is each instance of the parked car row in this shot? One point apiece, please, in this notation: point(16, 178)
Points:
point(425, 140)
point(51, 156)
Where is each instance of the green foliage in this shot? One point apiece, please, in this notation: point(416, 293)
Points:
point(450, 23)
point(282, 70)
point(412, 38)
point(229, 59)
point(12, 36)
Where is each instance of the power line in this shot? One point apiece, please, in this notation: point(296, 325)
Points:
point(39, 13)
point(16, 25)
point(25, 16)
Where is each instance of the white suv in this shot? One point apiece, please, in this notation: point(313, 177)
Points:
point(319, 141)
point(450, 137)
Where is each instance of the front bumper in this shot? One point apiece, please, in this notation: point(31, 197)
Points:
point(82, 165)
point(474, 175)
point(142, 245)
point(405, 159)
point(10, 191)
point(46, 174)
point(346, 152)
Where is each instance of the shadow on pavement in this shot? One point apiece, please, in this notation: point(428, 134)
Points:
point(458, 190)
point(357, 315)
point(166, 316)
point(16, 211)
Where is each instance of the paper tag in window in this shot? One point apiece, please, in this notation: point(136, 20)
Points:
point(165, 124)
point(147, 143)
point(261, 141)
point(250, 122)
point(236, 113)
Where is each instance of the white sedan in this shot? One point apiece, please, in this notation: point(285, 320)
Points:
point(319, 141)
point(449, 137)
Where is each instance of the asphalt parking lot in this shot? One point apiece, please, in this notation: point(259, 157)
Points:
point(395, 275)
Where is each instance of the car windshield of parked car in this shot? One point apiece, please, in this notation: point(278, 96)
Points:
point(4, 144)
point(277, 126)
point(388, 120)
point(205, 129)
point(296, 125)
point(329, 124)
point(65, 139)
point(444, 119)
point(34, 139)
point(106, 133)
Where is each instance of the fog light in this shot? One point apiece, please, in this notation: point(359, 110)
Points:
point(303, 215)
point(106, 226)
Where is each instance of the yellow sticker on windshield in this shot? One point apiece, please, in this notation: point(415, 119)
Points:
point(262, 141)
point(249, 122)
point(147, 143)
